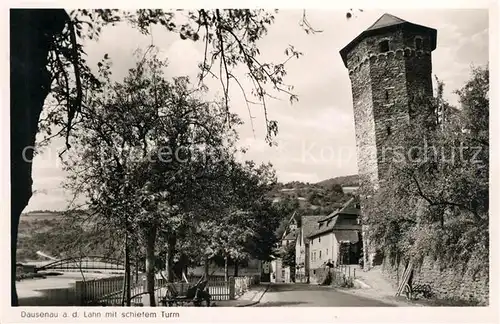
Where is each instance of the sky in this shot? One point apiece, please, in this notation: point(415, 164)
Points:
point(316, 138)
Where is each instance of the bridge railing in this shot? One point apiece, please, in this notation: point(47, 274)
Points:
point(83, 263)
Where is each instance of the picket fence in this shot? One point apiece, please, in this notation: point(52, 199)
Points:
point(109, 291)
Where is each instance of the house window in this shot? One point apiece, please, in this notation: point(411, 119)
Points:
point(418, 43)
point(326, 251)
point(319, 239)
point(384, 46)
point(312, 241)
point(320, 255)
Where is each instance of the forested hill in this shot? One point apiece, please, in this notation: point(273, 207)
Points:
point(315, 196)
point(320, 198)
point(344, 181)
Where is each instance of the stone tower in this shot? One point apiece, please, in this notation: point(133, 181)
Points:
point(390, 67)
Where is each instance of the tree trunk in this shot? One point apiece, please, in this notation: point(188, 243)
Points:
point(127, 272)
point(206, 266)
point(136, 269)
point(236, 268)
point(150, 264)
point(172, 240)
point(183, 263)
point(226, 269)
point(31, 34)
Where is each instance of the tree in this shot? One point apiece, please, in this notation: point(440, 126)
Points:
point(289, 259)
point(144, 144)
point(240, 229)
point(337, 188)
point(436, 200)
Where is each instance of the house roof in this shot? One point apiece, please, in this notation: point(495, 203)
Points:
point(286, 233)
point(384, 23)
point(338, 206)
point(310, 224)
point(345, 218)
point(291, 236)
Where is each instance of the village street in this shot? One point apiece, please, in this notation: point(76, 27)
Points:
point(304, 295)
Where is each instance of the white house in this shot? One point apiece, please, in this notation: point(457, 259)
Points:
point(308, 226)
point(335, 239)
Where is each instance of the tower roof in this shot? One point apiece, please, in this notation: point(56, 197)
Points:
point(384, 23)
point(386, 20)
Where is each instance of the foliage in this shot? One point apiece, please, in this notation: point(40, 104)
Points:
point(435, 201)
point(245, 227)
point(230, 37)
point(65, 237)
point(288, 256)
point(159, 138)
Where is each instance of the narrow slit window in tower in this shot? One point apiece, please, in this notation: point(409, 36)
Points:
point(389, 131)
point(384, 46)
point(418, 44)
point(386, 95)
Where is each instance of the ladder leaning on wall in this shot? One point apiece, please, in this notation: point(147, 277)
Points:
point(406, 278)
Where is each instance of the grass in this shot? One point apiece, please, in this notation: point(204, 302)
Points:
point(447, 302)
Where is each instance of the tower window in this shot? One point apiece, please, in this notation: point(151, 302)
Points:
point(384, 46)
point(389, 131)
point(386, 95)
point(418, 43)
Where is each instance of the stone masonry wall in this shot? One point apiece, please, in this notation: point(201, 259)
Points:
point(363, 117)
point(389, 97)
point(447, 284)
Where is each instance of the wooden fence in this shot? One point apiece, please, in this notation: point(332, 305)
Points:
point(108, 291)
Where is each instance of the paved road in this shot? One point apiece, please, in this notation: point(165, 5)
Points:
point(297, 295)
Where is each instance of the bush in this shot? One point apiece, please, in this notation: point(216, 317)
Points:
point(348, 282)
point(328, 279)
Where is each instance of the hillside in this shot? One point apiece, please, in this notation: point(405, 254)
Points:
point(320, 198)
point(55, 234)
point(350, 180)
point(314, 196)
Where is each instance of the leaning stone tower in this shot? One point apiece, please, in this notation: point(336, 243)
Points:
point(390, 67)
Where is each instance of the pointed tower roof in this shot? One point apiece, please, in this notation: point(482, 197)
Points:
point(384, 23)
point(386, 20)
